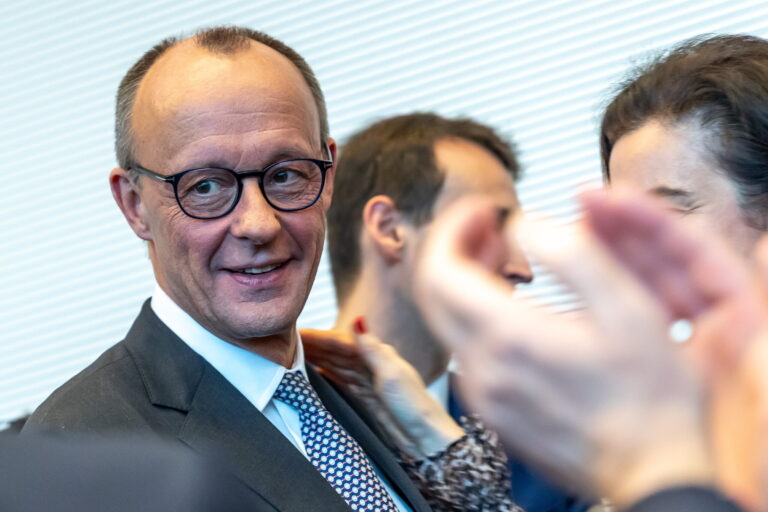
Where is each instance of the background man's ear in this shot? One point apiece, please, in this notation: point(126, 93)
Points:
point(384, 224)
point(127, 197)
point(330, 173)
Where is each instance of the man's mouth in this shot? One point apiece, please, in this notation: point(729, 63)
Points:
point(259, 270)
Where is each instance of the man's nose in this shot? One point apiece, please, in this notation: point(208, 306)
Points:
point(253, 217)
point(517, 269)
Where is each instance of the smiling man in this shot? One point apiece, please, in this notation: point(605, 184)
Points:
point(226, 170)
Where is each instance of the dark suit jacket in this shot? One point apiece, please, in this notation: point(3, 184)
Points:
point(529, 490)
point(153, 383)
point(81, 475)
point(685, 499)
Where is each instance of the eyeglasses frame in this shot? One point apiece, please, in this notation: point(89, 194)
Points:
point(174, 180)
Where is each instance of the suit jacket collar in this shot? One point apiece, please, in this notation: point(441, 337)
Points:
point(170, 370)
point(255, 376)
point(221, 422)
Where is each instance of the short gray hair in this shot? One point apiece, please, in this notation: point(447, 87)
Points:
point(223, 40)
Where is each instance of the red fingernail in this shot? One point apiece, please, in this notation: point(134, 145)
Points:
point(359, 325)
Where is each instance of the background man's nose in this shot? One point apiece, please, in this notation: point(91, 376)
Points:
point(517, 269)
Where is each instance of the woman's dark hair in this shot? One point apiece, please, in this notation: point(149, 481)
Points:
point(720, 82)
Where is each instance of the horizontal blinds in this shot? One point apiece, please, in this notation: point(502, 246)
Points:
point(74, 276)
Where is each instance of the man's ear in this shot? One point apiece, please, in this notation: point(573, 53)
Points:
point(330, 174)
point(383, 224)
point(126, 194)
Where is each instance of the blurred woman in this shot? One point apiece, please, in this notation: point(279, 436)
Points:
point(692, 127)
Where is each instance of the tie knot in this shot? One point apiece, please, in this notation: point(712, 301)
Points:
point(296, 391)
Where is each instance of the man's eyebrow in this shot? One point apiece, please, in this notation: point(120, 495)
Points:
point(277, 155)
point(289, 154)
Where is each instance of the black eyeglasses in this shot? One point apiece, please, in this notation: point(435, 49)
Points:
point(211, 192)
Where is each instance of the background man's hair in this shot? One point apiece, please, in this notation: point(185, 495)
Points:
point(225, 40)
point(720, 83)
point(395, 157)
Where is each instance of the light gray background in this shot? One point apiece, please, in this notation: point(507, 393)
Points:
point(74, 276)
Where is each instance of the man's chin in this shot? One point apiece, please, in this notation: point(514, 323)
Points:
point(261, 324)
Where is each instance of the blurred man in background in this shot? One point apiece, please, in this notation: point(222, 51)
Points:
point(392, 179)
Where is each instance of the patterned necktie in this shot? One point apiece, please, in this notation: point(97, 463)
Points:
point(332, 450)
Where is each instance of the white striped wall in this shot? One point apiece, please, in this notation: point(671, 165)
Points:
point(73, 275)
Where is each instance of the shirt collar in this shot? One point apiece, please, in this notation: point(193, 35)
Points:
point(256, 377)
point(439, 389)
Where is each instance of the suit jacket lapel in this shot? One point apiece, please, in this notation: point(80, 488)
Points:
point(221, 423)
point(376, 450)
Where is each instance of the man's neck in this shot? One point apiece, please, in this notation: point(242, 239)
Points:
point(279, 348)
point(395, 321)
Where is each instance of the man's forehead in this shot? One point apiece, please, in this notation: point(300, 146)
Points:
point(192, 93)
point(471, 169)
point(188, 74)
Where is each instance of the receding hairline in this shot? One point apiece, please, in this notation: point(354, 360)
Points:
point(690, 125)
point(451, 139)
point(217, 40)
point(157, 85)
point(192, 44)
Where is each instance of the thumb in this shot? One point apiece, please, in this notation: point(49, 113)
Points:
point(379, 357)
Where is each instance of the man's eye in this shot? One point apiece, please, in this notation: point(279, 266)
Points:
point(285, 176)
point(206, 187)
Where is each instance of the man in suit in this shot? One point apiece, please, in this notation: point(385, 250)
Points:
point(392, 179)
point(226, 171)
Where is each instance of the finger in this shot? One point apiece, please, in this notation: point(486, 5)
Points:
point(637, 239)
point(385, 361)
point(468, 306)
point(693, 275)
point(479, 235)
point(329, 341)
point(370, 348)
point(450, 280)
point(613, 296)
point(333, 347)
point(687, 271)
point(346, 376)
point(322, 357)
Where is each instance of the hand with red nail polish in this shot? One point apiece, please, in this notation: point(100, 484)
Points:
point(387, 384)
point(359, 325)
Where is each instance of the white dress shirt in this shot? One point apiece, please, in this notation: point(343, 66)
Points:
point(439, 389)
point(254, 376)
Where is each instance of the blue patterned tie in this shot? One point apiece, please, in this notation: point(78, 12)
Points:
point(332, 450)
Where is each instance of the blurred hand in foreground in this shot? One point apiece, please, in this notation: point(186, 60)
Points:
point(388, 386)
point(605, 401)
point(694, 277)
